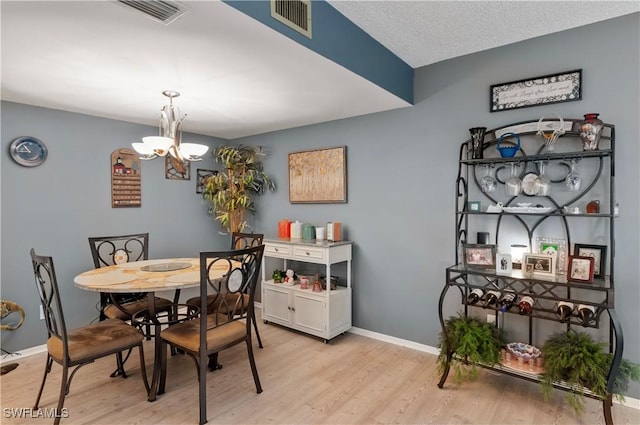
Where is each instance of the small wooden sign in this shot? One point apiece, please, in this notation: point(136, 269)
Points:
point(126, 173)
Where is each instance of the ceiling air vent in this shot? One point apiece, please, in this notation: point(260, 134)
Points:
point(158, 10)
point(293, 13)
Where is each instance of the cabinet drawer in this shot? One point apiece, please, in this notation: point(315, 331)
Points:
point(305, 253)
point(277, 250)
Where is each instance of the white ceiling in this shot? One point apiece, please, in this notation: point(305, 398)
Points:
point(238, 77)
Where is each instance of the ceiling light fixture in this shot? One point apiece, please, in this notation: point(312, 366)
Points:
point(170, 139)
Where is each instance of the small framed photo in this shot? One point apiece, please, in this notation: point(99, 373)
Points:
point(474, 206)
point(540, 264)
point(504, 264)
point(480, 256)
point(557, 247)
point(597, 252)
point(203, 176)
point(580, 269)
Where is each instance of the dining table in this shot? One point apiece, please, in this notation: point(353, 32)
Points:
point(148, 276)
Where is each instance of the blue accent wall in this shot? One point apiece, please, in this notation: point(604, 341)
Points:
point(341, 41)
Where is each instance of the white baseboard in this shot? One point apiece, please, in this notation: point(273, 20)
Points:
point(633, 403)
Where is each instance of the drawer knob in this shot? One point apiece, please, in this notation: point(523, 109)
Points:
point(276, 249)
point(307, 252)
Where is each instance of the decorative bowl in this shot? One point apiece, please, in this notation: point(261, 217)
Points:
point(526, 351)
point(508, 151)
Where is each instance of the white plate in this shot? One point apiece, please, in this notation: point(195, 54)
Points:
point(524, 204)
point(528, 210)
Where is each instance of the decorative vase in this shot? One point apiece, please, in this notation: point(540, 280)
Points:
point(477, 141)
point(590, 131)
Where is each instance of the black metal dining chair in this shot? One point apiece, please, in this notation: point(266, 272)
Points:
point(231, 275)
point(80, 346)
point(239, 241)
point(111, 250)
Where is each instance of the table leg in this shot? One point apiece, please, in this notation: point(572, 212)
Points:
point(157, 344)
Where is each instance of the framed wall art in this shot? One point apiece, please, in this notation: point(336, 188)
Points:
point(126, 190)
point(174, 169)
point(201, 179)
point(318, 176)
point(597, 252)
point(540, 264)
point(480, 256)
point(580, 269)
point(544, 90)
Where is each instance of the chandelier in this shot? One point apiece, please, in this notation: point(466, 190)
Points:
point(170, 139)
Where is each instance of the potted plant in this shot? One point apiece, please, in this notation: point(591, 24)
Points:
point(575, 359)
point(231, 191)
point(468, 341)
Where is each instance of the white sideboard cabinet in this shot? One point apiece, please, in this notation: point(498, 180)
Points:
point(324, 314)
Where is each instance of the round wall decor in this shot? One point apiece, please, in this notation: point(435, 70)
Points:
point(28, 151)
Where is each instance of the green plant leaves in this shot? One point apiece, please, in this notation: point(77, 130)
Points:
point(230, 191)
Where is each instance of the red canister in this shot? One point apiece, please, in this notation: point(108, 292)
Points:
point(283, 229)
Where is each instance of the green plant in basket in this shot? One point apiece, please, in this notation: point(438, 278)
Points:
point(471, 342)
point(579, 362)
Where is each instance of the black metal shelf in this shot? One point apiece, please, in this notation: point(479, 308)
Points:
point(546, 290)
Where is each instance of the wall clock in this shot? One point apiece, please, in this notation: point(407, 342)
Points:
point(28, 151)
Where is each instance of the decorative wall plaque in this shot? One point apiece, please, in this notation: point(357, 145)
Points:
point(125, 179)
point(174, 169)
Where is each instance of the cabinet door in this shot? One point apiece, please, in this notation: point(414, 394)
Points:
point(309, 312)
point(276, 305)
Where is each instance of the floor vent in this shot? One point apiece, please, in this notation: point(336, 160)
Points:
point(293, 13)
point(158, 10)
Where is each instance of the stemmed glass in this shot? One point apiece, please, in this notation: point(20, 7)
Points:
point(573, 179)
point(488, 183)
point(542, 182)
point(513, 185)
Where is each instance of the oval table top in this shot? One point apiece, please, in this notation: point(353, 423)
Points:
point(142, 276)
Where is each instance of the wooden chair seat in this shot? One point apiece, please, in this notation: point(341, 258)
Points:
point(95, 340)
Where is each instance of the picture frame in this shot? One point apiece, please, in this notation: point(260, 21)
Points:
point(318, 176)
point(174, 169)
point(544, 90)
point(504, 263)
point(580, 269)
point(554, 246)
point(474, 206)
point(539, 264)
point(480, 256)
point(201, 178)
point(599, 254)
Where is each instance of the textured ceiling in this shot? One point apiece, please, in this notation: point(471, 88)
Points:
point(425, 32)
point(237, 76)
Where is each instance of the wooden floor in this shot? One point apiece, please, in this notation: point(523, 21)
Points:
point(351, 380)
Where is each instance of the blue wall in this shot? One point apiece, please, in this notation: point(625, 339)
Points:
point(401, 170)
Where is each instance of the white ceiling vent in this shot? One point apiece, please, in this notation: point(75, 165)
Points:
point(293, 13)
point(158, 10)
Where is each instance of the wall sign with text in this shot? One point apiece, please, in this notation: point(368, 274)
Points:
point(548, 89)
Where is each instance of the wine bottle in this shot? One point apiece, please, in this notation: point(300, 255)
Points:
point(507, 300)
point(525, 305)
point(586, 313)
point(564, 310)
point(490, 298)
point(475, 296)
